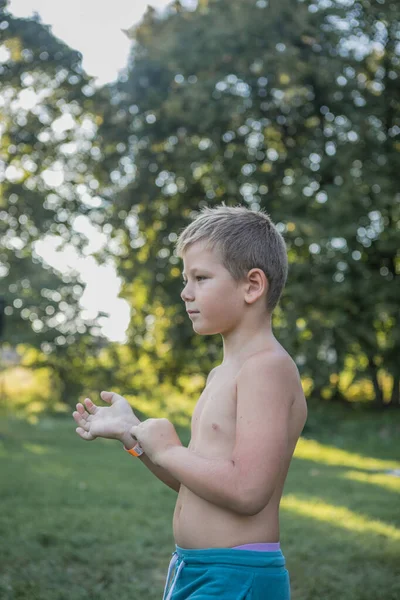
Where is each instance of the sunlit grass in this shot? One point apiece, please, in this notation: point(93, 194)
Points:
point(330, 455)
point(36, 448)
point(388, 482)
point(338, 516)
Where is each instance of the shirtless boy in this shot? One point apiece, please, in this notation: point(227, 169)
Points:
point(245, 425)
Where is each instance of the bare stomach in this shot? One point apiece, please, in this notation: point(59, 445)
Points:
point(198, 523)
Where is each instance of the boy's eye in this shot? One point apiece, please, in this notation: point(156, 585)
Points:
point(198, 277)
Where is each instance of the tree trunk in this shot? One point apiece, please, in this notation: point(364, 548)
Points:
point(374, 375)
point(337, 395)
point(395, 395)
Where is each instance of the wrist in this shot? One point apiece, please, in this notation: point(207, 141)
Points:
point(125, 437)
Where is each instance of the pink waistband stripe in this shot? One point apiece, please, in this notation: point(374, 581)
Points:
point(267, 547)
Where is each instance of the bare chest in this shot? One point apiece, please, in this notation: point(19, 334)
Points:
point(214, 421)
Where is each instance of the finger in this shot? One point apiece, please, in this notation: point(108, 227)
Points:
point(81, 410)
point(80, 421)
point(85, 435)
point(110, 397)
point(91, 407)
point(107, 396)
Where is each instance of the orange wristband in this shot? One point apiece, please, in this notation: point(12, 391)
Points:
point(136, 450)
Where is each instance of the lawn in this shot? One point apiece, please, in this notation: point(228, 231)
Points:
point(85, 521)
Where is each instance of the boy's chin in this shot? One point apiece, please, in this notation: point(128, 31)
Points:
point(204, 330)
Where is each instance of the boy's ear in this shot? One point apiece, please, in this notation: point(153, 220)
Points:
point(256, 285)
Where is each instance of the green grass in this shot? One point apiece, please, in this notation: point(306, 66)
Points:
point(85, 521)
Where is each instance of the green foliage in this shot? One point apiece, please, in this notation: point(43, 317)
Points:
point(277, 108)
point(47, 124)
point(293, 110)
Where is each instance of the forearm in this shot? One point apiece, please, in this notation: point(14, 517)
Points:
point(214, 480)
point(161, 473)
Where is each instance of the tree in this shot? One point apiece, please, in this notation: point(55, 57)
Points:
point(259, 103)
point(47, 158)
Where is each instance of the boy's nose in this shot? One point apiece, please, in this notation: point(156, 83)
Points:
point(186, 294)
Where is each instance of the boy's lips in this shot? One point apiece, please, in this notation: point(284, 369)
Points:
point(191, 312)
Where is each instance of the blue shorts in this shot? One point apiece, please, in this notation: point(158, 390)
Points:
point(227, 573)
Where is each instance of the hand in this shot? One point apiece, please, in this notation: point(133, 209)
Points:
point(155, 436)
point(112, 422)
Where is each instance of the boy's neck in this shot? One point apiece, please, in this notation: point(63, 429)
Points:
point(241, 343)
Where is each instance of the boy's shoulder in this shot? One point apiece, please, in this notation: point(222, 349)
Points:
point(211, 374)
point(274, 361)
point(274, 375)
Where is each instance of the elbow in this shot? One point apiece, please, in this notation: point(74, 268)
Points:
point(252, 504)
point(250, 509)
point(250, 497)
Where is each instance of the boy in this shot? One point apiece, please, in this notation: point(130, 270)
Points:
point(245, 425)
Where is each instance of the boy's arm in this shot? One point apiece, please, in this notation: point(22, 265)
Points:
point(210, 479)
point(245, 483)
point(161, 473)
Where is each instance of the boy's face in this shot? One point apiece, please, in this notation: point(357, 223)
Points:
point(211, 291)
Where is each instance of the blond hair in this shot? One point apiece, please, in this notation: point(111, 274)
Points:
point(245, 239)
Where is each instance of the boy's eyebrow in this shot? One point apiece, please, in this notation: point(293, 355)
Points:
point(193, 270)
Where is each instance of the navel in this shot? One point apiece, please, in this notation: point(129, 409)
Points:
point(215, 426)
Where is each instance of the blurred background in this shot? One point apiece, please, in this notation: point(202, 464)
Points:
point(117, 122)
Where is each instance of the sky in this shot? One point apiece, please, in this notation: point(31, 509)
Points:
point(83, 25)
